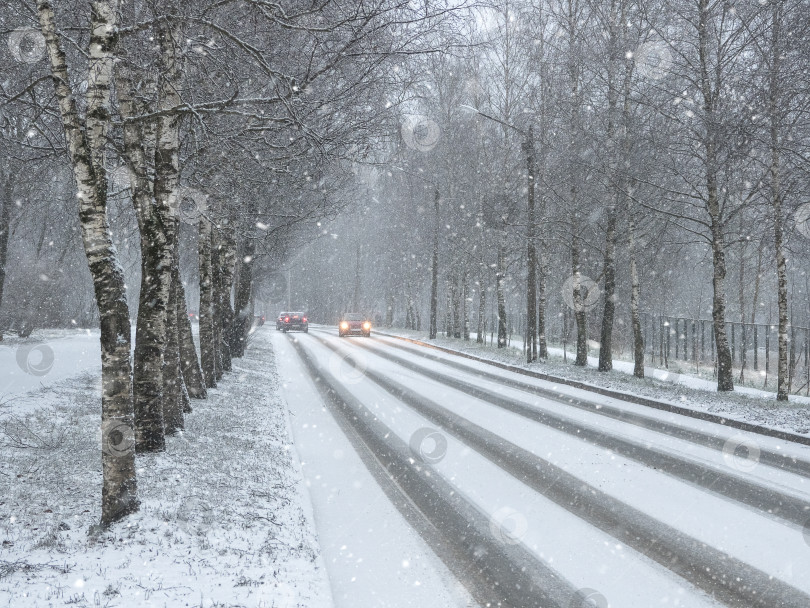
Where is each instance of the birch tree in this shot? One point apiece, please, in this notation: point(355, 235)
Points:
point(86, 142)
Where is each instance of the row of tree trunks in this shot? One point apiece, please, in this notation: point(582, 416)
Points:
point(217, 267)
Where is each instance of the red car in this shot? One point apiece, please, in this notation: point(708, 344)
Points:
point(354, 324)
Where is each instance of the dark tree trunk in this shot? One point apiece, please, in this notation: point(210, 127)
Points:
point(227, 266)
point(206, 312)
point(150, 333)
point(774, 95)
point(579, 310)
point(500, 276)
point(606, 340)
point(244, 287)
point(5, 228)
point(434, 274)
point(635, 294)
point(482, 309)
point(542, 342)
point(189, 363)
point(531, 254)
point(172, 375)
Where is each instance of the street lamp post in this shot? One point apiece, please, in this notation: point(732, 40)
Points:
point(531, 251)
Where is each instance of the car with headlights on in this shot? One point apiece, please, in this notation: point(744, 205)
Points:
point(354, 324)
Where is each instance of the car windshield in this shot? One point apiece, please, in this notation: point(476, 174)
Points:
point(353, 316)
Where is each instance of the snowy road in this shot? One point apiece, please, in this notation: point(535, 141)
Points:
point(432, 474)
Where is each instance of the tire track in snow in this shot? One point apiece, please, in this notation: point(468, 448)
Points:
point(727, 579)
point(494, 573)
point(768, 457)
point(768, 500)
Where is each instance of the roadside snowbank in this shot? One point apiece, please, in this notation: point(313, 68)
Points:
point(744, 404)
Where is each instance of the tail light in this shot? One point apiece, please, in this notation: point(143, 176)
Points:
point(304, 319)
point(286, 319)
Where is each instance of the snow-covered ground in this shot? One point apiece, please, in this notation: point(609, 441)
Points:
point(600, 562)
point(276, 494)
point(684, 390)
point(224, 520)
point(45, 359)
point(373, 556)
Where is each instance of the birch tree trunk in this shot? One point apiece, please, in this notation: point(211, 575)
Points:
point(725, 382)
point(579, 309)
point(774, 98)
point(542, 343)
point(172, 376)
point(227, 260)
point(616, 20)
point(206, 312)
point(216, 304)
point(85, 144)
point(5, 228)
point(500, 275)
point(482, 309)
point(192, 374)
point(531, 251)
point(150, 333)
point(434, 272)
point(244, 286)
point(635, 294)
point(167, 204)
point(242, 300)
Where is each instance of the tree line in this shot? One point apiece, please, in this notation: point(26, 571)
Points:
point(639, 156)
point(204, 130)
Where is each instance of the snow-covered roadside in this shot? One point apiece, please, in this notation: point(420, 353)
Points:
point(46, 358)
point(223, 519)
point(744, 404)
